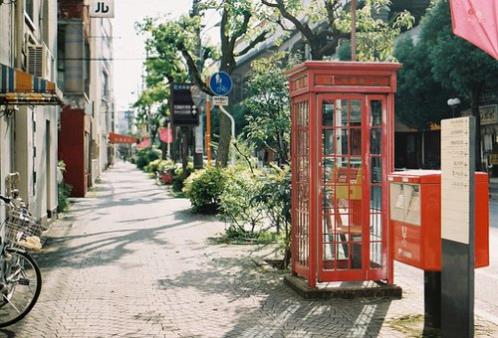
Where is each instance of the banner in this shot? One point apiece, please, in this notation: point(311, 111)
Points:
point(118, 138)
point(166, 135)
point(144, 144)
point(476, 21)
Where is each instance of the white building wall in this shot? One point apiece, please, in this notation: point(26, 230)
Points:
point(6, 121)
point(100, 93)
point(33, 151)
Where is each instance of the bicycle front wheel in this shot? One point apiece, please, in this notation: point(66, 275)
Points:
point(20, 288)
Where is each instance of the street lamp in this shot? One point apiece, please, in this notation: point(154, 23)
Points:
point(453, 103)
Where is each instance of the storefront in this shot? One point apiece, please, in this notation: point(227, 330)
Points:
point(489, 132)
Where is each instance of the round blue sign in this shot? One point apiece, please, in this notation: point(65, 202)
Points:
point(221, 83)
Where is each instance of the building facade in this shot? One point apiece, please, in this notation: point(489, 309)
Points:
point(85, 74)
point(29, 100)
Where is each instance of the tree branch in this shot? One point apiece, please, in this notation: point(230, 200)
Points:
point(260, 38)
point(195, 72)
point(304, 28)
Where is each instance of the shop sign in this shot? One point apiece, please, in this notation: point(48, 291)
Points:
point(102, 9)
point(489, 114)
point(493, 159)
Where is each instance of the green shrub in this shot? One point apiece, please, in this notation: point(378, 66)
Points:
point(159, 165)
point(204, 188)
point(179, 177)
point(238, 201)
point(145, 156)
point(275, 197)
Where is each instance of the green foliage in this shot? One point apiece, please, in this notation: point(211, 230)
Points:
point(267, 108)
point(237, 200)
point(145, 156)
point(275, 197)
point(179, 177)
point(420, 100)
point(455, 63)
point(63, 189)
point(376, 28)
point(159, 166)
point(204, 188)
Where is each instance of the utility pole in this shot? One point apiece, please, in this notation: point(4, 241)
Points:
point(353, 30)
point(198, 161)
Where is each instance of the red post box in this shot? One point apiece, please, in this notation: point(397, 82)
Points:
point(415, 217)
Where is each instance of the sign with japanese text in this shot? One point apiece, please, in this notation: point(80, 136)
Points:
point(220, 100)
point(102, 9)
point(455, 179)
point(118, 138)
point(489, 114)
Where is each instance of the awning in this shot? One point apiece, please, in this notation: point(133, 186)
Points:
point(20, 88)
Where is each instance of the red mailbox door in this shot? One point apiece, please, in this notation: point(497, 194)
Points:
point(353, 164)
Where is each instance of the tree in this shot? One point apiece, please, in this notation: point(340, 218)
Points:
point(267, 108)
point(240, 32)
point(326, 24)
point(457, 64)
point(163, 67)
point(420, 100)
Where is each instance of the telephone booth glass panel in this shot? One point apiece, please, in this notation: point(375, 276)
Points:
point(301, 193)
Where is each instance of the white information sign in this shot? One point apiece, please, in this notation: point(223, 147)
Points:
point(199, 139)
point(220, 100)
point(455, 179)
point(102, 9)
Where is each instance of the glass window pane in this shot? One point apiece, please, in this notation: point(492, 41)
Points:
point(342, 142)
point(341, 117)
point(375, 141)
point(328, 142)
point(376, 170)
point(376, 113)
point(355, 117)
point(328, 114)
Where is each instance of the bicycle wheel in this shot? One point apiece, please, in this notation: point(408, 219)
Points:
point(20, 288)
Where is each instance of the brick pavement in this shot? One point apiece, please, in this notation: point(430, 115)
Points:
point(136, 263)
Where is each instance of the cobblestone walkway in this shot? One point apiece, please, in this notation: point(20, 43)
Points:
point(136, 263)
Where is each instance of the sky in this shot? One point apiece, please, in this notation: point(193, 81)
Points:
point(129, 52)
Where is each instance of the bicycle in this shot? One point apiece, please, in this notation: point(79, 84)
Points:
point(20, 276)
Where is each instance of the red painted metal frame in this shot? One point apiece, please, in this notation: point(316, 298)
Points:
point(316, 81)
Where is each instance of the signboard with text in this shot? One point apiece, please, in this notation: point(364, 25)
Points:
point(101, 9)
point(220, 100)
point(457, 226)
point(455, 179)
point(489, 114)
point(183, 109)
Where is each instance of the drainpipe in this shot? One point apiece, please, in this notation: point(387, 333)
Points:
point(19, 27)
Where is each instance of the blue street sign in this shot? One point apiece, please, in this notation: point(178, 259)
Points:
point(221, 83)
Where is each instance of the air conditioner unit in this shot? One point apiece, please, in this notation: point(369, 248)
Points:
point(40, 61)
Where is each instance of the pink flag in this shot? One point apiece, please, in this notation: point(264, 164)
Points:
point(144, 144)
point(166, 135)
point(477, 22)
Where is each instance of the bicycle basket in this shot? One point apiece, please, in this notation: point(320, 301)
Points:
point(20, 226)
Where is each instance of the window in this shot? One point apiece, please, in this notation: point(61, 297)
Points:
point(28, 8)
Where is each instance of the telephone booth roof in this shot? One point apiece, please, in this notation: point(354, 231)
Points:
point(343, 77)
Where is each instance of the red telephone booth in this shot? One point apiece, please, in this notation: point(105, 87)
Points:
point(342, 152)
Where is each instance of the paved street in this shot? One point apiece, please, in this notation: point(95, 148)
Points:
point(132, 261)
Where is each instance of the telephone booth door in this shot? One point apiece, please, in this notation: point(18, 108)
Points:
point(352, 236)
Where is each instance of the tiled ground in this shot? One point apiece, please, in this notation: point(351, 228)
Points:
point(131, 261)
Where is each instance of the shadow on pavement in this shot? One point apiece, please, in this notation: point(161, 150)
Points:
point(279, 311)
